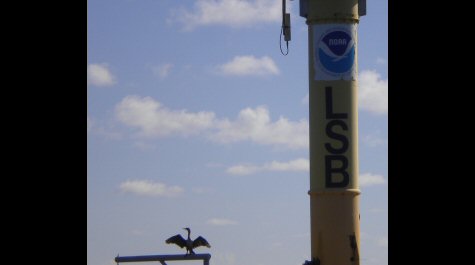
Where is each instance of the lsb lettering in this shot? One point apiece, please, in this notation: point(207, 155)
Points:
point(335, 163)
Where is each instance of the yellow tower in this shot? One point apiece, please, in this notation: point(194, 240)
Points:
point(333, 108)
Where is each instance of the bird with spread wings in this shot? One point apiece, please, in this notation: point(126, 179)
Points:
point(188, 243)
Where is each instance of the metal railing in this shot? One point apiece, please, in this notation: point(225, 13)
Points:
point(163, 258)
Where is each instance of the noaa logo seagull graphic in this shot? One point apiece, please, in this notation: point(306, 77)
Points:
point(336, 52)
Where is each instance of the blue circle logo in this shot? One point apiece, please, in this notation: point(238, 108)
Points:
point(336, 52)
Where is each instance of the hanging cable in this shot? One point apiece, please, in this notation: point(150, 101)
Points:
point(280, 42)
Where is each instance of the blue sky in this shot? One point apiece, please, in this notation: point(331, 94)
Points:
point(196, 119)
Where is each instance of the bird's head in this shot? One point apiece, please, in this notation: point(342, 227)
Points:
point(187, 229)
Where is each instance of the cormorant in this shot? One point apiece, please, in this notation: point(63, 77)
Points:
point(188, 243)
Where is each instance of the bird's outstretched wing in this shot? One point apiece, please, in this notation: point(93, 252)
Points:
point(177, 239)
point(200, 241)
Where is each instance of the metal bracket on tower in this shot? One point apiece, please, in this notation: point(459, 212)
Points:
point(303, 8)
point(285, 29)
point(361, 8)
point(287, 36)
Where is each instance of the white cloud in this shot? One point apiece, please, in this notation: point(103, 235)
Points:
point(242, 170)
point(374, 140)
point(163, 70)
point(153, 119)
point(294, 165)
point(255, 125)
point(368, 179)
point(373, 92)
point(249, 65)
point(232, 13)
point(99, 75)
point(221, 222)
point(150, 188)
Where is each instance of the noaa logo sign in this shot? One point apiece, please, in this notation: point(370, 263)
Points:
point(335, 51)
